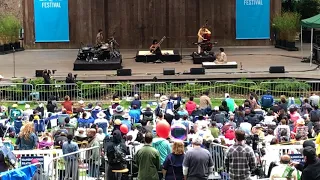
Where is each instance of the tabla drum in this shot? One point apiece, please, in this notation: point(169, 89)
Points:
point(105, 47)
point(206, 46)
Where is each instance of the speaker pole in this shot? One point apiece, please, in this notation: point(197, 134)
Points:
point(14, 62)
point(180, 36)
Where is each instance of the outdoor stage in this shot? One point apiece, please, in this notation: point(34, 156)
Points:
point(255, 64)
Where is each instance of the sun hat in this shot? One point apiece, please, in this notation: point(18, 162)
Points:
point(81, 102)
point(119, 109)
point(301, 121)
point(15, 105)
point(258, 126)
point(117, 122)
point(126, 116)
point(101, 115)
point(163, 98)
point(27, 106)
point(116, 100)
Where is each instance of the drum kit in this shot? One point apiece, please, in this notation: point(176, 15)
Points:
point(102, 52)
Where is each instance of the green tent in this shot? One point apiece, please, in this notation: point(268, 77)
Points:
point(313, 22)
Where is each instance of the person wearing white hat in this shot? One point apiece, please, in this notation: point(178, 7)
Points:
point(136, 101)
point(102, 122)
point(27, 112)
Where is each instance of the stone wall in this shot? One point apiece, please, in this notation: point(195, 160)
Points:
point(13, 7)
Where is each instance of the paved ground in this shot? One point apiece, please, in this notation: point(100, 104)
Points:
point(255, 62)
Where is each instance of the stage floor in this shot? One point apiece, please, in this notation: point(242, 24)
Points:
point(255, 64)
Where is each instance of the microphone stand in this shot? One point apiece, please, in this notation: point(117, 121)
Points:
point(14, 62)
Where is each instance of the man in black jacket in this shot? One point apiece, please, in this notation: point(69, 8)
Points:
point(311, 172)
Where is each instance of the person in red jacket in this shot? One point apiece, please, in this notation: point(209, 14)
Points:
point(191, 106)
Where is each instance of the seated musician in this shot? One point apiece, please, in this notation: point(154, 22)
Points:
point(99, 38)
point(221, 57)
point(202, 32)
point(156, 49)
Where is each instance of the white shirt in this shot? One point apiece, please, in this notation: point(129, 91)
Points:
point(277, 172)
point(269, 120)
point(224, 56)
point(246, 127)
point(268, 139)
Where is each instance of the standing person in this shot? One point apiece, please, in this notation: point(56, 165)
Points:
point(94, 154)
point(230, 103)
point(163, 147)
point(116, 153)
point(71, 160)
point(148, 160)
point(205, 102)
point(240, 159)
point(27, 139)
point(172, 166)
point(314, 99)
point(311, 172)
point(197, 163)
point(201, 33)
point(191, 106)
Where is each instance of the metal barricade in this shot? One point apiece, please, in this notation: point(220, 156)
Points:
point(101, 91)
point(314, 88)
point(59, 91)
point(218, 153)
point(13, 92)
point(236, 89)
point(83, 164)
point(147, 90)
point(189, 88)
point(289, 89)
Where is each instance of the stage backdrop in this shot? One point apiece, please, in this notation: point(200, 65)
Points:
point(253, 19)
point(51, 20)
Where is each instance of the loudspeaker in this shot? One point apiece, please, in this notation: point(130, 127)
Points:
point(197, 71)
point(39, 73)
point(124, 72)
point(276, 69)
point(169, 71)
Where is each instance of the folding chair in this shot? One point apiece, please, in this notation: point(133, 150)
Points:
point(61, 118)
point(17, 126)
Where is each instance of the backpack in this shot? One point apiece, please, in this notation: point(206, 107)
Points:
point(119, 157)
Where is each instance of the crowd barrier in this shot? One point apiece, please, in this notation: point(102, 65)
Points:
point(85, 164)
point(15, 92)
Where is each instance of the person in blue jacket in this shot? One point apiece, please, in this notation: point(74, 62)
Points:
point(267, 100)
point(135, 113)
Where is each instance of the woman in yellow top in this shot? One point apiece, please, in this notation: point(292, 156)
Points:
point(202, 31)
point(318, 143)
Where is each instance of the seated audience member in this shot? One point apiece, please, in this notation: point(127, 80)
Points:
point(145, 126)
point(85, 120)
point(267, 100)
point(27, 112)
point(67, 123)
point(134, 114)
point(115, 103)
point(136, 101)
point(102, 122)
point(126, 121)
point(118, 113)
point(147, 113)
point(60, 139)
point(190, 106)
point(80, 135)
point(116, 125)
point(67, 105)
point(45, 143)
point(100, 135)
point(176, 100)
point(51, 107)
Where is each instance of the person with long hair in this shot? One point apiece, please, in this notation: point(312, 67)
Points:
point(172, 166)
point(27, 139)
point(71, 160)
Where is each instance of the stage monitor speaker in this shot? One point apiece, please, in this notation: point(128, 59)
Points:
point(169, 71)
point(197, 71)
point(276, 69)
point(39, 73)
point(124, 72)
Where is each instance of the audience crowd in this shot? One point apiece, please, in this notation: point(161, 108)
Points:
point(240, 130)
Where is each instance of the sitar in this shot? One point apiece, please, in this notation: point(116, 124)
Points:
point(158, 44)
